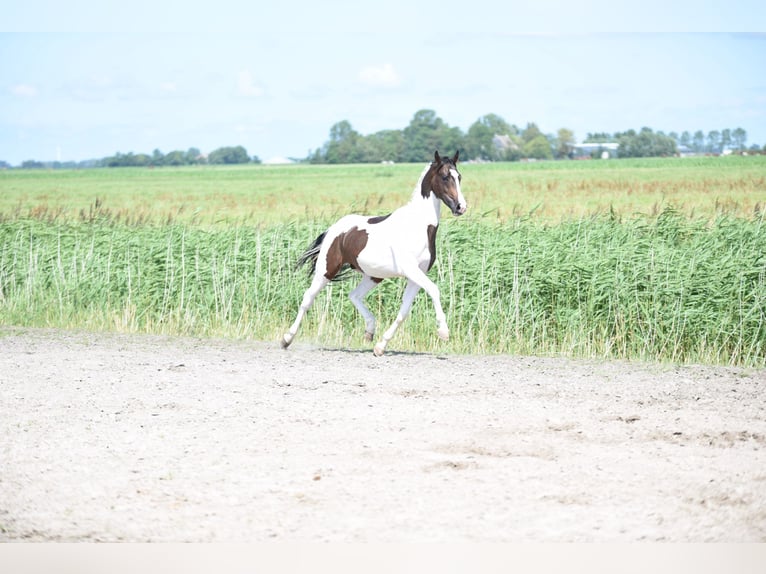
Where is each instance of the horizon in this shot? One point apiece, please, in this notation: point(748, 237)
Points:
point(295, 159)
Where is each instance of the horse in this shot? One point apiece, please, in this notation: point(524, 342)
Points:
point(400, 244)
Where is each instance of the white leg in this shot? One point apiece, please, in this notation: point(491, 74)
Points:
point(410, 292)
point(317, 284)
point(417, 275)
point(357, 298)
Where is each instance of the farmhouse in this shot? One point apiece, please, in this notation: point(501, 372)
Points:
point(595, 150)
point(503, 143)
point(278, 161)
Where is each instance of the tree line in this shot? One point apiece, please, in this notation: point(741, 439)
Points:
point(715, 142)
point(222, 155)
point(490, 138)
point(192, 156)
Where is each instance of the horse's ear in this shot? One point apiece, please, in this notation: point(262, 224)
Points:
point(437, 158)
point(454, 159)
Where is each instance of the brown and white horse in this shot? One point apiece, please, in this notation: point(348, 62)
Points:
point(401, 244)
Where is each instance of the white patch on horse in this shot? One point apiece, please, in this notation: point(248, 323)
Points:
point(461, 202)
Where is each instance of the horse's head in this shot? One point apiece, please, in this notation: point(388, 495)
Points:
point(443, 179)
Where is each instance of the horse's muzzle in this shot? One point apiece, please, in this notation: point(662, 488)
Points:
point(459, 210)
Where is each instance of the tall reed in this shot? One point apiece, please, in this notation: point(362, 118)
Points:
point(665, 288)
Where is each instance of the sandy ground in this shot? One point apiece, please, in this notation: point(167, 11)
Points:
point(137, 438)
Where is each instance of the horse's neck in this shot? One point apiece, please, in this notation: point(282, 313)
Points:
point(429, 208)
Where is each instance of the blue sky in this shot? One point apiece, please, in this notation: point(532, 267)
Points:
point(81, 80)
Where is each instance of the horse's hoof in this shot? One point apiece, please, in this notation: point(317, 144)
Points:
point(443, 334)
point(378, 350)
point(286, 341)
point(368, 336)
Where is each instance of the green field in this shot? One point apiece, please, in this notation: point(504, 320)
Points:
point(643, 259)
point(552, 191)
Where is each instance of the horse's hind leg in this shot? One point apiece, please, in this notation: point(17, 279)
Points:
point(317, 284)
point(410, 292)
point(357, 298)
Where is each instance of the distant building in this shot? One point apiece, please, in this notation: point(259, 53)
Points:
point(503, 142)
point(278, 161)
point(596, 150)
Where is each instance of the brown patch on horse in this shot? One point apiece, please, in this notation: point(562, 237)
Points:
point(432, 244)
point(345, 249)
point(425, 186)
point(378, 218)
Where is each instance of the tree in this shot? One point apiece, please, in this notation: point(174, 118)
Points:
point(714, 141)
point(530, 132)
point(698, 143)
point(646, 143)
point(479, 141)
point(599, 137)
point(426, 133)
point(565, 142)
point(175, 158)
point(725, 139)
point(157, 158)
point(194, 156)
point(387, 145)
point(344, 144)
point(229, 155)
point(538, 148)
point(739, 138)
point(127, 160)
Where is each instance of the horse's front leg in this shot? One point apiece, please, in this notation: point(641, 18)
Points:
point(441, 319)
point(409, 297)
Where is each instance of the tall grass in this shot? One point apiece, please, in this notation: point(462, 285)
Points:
point(662, 288)
point(167, 279)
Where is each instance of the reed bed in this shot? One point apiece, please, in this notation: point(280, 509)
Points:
point(661, 288)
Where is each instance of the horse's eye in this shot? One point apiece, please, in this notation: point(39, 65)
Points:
point(445, 178)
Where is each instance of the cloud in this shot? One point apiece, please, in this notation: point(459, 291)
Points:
point(24, 90)
point(380, 76)
point(247, 85)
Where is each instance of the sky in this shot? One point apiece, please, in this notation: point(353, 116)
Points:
point(82, 80)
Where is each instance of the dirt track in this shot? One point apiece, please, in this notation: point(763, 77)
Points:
point(135, 438)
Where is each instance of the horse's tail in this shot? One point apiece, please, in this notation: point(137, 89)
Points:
point(311, 254)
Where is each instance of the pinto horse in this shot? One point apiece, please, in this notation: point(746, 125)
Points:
point(401, 244)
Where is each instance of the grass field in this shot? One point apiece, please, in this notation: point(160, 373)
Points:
point(552, 191)
point(646, 259)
